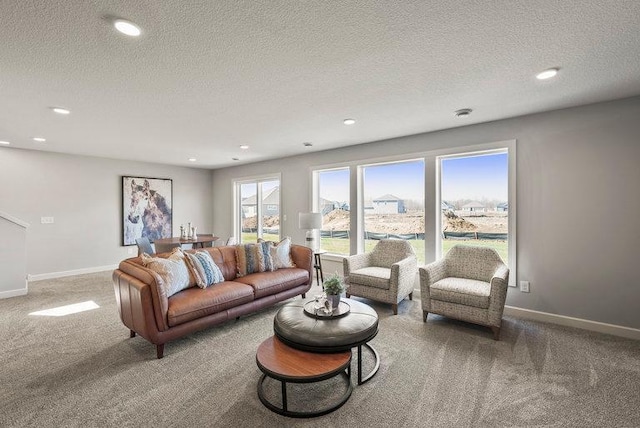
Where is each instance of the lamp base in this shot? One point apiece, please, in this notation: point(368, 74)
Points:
point(310, 240)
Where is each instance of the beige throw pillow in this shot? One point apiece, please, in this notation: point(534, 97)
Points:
point(172, 270)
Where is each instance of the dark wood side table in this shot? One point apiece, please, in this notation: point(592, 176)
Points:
point(317, 265)
point(281, 362)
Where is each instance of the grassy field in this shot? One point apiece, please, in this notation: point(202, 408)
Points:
point(341, 246)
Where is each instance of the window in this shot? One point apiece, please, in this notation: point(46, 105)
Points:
point(332, 200)
point(393, 204)
point(474, 201)
point(258, 208)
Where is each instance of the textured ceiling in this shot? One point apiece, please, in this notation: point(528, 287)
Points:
point(207, 76)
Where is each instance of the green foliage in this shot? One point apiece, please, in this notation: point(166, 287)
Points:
point(333, 285)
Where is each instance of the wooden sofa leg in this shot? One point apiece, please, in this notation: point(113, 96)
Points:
point(395, 308)
point(132, 333)
point(348, 295)
point(160, 351)
point(304, 295)
point(496, 333)
point(424, 316)
point(411, 296)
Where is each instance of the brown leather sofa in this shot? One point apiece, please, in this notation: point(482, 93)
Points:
point(146, 310)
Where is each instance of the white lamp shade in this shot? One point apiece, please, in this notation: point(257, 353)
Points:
point(309, 221)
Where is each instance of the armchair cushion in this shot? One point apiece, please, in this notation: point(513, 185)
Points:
point(468, 292)
point(372, 276)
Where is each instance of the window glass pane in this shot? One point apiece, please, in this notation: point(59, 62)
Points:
point(474, 201)
point(394, 204)
point(270, 210)
point(249, 212)
point(333, 186)
point(260, 220)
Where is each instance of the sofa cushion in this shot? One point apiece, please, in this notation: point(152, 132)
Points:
point(195, 303)
point(172, 270)
point(468, 292)
point(252, 258)
point(281, 254)
point(203, 268)
point(378, 277)
point(267, 283)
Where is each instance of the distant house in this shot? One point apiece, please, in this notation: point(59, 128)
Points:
point(502, 207)
point(474, 207)
point(270, 204)
point(388, 204)
point(326, 206)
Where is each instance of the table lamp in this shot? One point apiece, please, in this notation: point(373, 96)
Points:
point(310, 222)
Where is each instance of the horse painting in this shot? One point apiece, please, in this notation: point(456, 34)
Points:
point(147, 213)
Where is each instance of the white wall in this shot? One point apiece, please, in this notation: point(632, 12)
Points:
point(83, 194)
point(578, 202)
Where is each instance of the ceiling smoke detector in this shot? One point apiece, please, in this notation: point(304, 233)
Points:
point(465, 112)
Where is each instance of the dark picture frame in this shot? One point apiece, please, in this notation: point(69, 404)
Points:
point(147, 208)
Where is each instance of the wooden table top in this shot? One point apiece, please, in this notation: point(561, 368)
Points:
point(202, 239)
point(283, 362)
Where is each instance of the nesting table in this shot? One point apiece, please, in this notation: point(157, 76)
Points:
point(308, 348)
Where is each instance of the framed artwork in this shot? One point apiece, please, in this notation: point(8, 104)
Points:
point(146, 208)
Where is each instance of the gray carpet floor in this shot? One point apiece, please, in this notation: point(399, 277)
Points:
point(84, 370)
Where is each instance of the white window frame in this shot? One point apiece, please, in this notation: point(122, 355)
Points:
point(237, 204)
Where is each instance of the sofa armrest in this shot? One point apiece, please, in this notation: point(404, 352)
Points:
point(303, 258)
point(403, 275)
point(355, 262)
point(429, 275)
point(135, 305)
point(498, 293)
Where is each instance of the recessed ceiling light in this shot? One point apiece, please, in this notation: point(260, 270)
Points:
point(39, 139)
point(5, 143)
point(244, 147)
point(547, 74)
point(60, 110)
point(307, 144)
point(465, 112)
point(192, 159)
point(235, 159)
point(349, 121)
point(127, 27)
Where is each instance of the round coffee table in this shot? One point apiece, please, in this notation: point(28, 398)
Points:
point(286, 364)
point(299, 330)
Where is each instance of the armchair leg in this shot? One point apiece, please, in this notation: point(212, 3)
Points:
point(411, 296)
point(348, 295)
point(395, 308)
point(496, 333)
point(132, 333)
point(160, 351)
point(424, 316)
point(304, 295)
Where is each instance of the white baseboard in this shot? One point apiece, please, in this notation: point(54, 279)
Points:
point(600, 327)
point(52, 275)
point(13, 293)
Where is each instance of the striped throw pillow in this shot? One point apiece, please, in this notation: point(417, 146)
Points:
point(252, 258)
point(203, 268)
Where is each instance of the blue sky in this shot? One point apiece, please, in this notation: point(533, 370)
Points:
point(473, 177)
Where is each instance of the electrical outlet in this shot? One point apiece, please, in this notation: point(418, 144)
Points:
point(524, 286)
point(46, 220)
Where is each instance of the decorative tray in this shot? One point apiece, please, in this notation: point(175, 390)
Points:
point(319, 312)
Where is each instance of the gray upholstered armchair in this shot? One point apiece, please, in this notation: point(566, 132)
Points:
point(386, 274)
point(469, 284)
